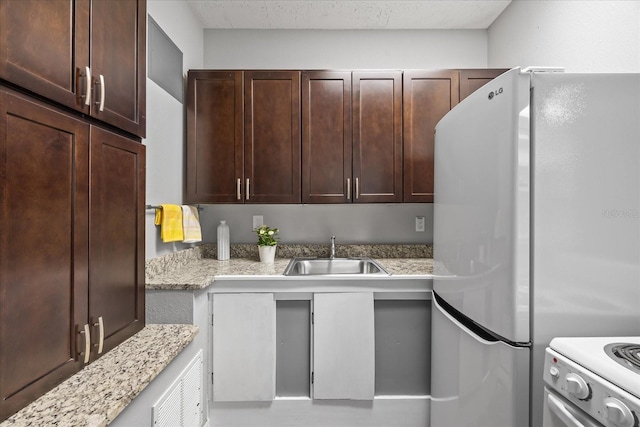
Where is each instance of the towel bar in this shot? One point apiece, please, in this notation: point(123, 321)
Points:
point(160, 207)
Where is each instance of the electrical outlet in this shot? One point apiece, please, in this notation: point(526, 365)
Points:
point(419, 223)
point(258, 221)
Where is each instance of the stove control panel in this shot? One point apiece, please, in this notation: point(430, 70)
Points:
point(607, 403)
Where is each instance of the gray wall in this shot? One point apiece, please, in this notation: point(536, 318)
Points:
point(166, 117)
point(377, 223)
point(582, 36)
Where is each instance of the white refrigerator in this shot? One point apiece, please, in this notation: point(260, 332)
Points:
point(536, 235)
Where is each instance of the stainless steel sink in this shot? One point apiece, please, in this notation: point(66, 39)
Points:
point(331, 266)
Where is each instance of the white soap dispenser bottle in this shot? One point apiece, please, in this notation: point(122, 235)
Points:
point(223, 241)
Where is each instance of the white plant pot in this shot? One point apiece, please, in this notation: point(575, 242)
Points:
point(267, 253)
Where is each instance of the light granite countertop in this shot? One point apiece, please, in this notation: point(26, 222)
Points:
point(94, 396)
point(202, 273)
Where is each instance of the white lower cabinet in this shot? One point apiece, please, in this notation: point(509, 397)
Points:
point(343, 346)
point(287, 356)
point(319, 346)
point(244, 347)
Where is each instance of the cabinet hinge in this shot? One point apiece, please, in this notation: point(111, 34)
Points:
point(312, 319)
point(211, 377)
point(311, 377)
point(212, 320)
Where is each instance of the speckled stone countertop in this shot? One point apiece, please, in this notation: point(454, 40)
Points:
point(198, 269)
point(98, 393)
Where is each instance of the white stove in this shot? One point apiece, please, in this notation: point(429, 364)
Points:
point(592, 381)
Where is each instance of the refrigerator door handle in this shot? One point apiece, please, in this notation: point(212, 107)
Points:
point(462, 326)
point(478, 332)
point(557, 407)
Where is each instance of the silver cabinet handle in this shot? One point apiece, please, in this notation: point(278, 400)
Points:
point(348, 188)
point(87, 76)
point(100, 325)
point(357, 189)
point(247, 190)
point(102, 92)
point(87, 343)
point(238, 184)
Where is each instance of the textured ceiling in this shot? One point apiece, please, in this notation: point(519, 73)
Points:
point(347, 14)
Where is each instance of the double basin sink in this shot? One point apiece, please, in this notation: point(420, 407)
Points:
point(333, 266)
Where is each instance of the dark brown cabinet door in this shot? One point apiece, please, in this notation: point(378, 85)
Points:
point(118, 58)
point(428, 96)
point(377, 136)
point(272, 136)
point(44, 46)
point(116, 238)
point(214, 137)
point(44, 198)
point(472, 80)
point(326, 137)
point(101, 39)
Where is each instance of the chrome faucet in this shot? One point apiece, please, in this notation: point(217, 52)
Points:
point(332, 254)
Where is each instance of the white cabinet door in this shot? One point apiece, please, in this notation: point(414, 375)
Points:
point(343, 349)
point(244, 347)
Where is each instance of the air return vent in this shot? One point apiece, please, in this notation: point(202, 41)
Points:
point(182, 404)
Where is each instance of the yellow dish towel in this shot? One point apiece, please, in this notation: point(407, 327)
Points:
point(169, 218)
point(191, 224)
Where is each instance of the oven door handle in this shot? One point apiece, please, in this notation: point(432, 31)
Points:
point(557, 407)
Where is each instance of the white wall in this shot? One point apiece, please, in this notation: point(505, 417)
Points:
point(582, 36)
point(346, 49)
point(165, 119)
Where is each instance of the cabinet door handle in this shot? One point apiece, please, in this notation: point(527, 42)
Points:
point(247, 190)
point(100, 325)
point(86, 333)
point(102, 92)
point(87, 77)
point(348, 188)
point(238, 184)
point(357, 189)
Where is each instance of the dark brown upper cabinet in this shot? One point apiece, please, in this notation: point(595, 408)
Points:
point(473, 79)
point(243, 137)
point(326, 137)
point(94, 64)
point(272, 137)
point(377, 136)
point(428, 96)
point(215, 144)
point(317, 136)
point(118, 58)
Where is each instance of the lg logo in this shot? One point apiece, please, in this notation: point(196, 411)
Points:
point(495, 93)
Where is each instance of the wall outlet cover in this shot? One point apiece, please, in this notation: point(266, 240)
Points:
point(420, 223)
point(258, 221)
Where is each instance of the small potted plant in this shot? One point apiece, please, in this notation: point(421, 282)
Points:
point(267, 242)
